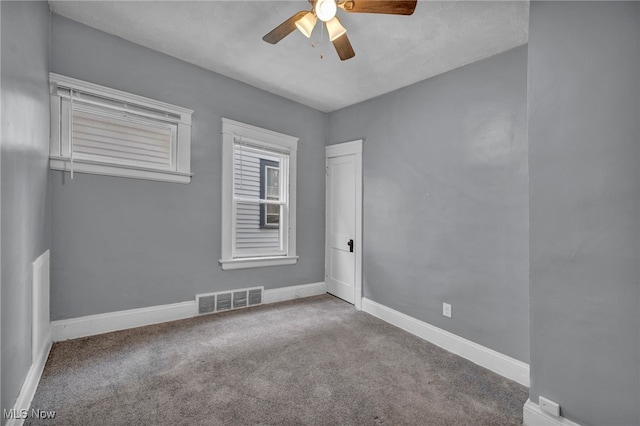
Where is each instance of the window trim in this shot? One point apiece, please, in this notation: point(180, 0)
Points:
point(60, 147)
point(267, 139)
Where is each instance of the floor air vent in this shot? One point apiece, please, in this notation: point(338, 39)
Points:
point(228, 300)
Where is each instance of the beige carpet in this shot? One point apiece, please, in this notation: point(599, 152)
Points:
point(314, 361)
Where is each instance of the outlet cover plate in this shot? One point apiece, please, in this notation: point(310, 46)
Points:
point(446, 310)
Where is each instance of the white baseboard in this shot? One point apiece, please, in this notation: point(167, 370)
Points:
point(534, 416)
point(504, 365)
point(40, 323)
point(91, 325)
point(29, 387)
point(294, 292)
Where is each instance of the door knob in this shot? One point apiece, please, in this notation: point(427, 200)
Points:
point(350, 244)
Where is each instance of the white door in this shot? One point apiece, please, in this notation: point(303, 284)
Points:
point(343, 204)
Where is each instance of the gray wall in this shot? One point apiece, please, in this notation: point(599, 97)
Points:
point(125, 243)
point(25, 155)
point(584, 152)
point(445, 200)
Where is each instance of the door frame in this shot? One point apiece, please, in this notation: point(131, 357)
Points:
point(338, 150)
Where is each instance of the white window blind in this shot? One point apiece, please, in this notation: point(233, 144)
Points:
point(100, 130)
point(122, 139)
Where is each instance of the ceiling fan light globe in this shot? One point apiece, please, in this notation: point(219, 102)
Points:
point(335, 29)
point(326, 9)
point(306, 24)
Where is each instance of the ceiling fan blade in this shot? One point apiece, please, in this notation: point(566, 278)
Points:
point(343, 47)
point(284, 29)
point(391, 7)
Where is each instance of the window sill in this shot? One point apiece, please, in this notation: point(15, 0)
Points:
point(85, 166)
point(257, 262)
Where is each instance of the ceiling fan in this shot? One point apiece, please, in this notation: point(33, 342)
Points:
point(325, 10)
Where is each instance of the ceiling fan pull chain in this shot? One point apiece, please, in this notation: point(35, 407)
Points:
point(321, 40)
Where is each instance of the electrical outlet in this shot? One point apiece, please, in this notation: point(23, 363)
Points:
point(549, 406)
point(446, 310)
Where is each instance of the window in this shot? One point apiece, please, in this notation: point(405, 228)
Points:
point(99, 130)
point(258, 197)
point(269, 190)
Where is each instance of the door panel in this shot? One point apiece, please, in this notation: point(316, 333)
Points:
point(341, 225)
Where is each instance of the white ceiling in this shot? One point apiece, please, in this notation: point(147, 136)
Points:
point(391, 51)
